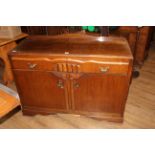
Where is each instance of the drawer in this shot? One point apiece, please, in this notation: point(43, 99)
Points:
point(98, 67)
point(46, 64)
point(104, 68)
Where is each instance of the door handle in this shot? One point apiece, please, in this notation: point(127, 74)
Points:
point(60, 84)
point(76, 85)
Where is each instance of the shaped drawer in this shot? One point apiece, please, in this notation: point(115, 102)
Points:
point(40, 63)
point(91, 66)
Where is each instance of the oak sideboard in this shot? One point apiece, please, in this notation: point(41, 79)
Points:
point(73, 73)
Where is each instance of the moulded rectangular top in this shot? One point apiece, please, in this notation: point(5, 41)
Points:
point(74, 44)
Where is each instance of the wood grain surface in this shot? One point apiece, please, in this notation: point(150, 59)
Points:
point(139, 110)
point(92, 77)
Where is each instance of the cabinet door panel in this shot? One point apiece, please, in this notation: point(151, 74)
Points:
point(99, 93)
point(41, 89)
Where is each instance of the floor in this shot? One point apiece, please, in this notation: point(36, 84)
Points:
point(139, 111)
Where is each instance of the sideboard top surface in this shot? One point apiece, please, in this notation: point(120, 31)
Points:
point(74, 44)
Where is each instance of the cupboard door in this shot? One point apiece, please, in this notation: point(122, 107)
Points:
point(41, 89)
point(99, 93)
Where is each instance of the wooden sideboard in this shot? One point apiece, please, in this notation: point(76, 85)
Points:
point(73, 73)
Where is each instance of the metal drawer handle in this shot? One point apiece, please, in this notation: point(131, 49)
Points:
point(32, 66)
point(104, 69)
point(60, 84)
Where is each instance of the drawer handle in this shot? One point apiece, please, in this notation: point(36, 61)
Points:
point(32, 66)
point(60, 84)
point(104, 69)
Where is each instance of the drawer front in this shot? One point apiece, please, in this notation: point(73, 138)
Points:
point(104, 68)
point(46, 64)
point(91, 66)
point(62, 64)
